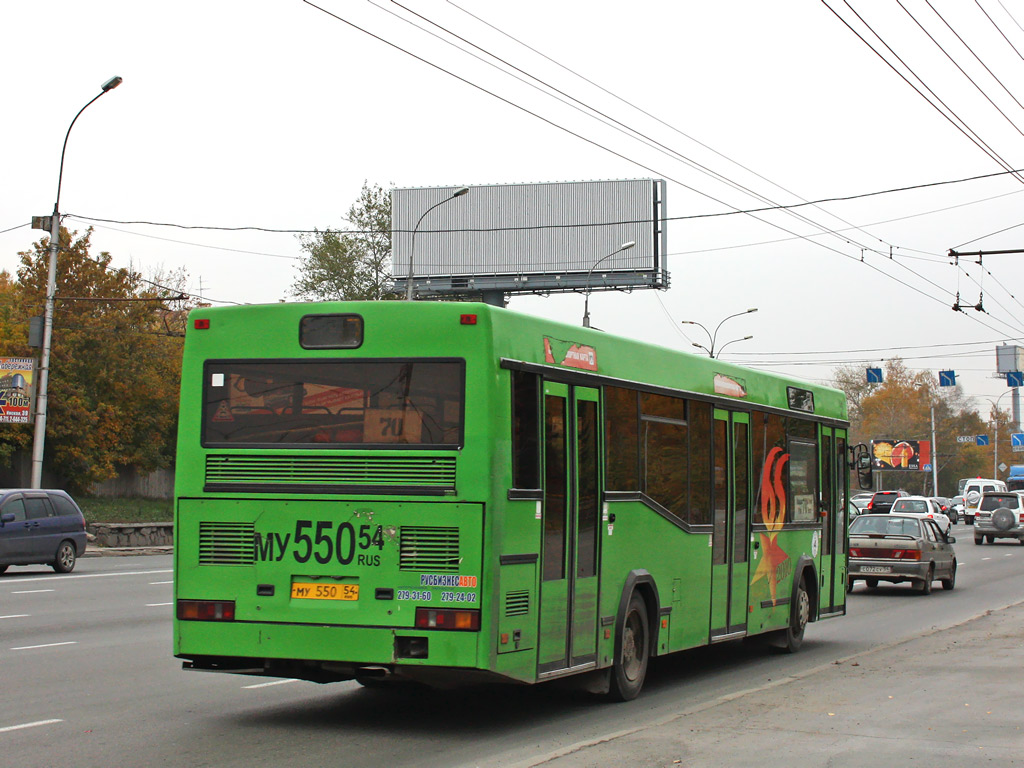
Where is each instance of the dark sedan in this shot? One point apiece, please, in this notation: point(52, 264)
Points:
point(900, 548)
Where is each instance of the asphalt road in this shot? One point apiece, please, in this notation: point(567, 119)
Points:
point(88, 679)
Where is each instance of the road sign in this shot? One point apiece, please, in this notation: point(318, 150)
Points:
point(1017, 438)
point(927, 468)
point(982, 439)
point(874, 375)
point(1015, 379)
point(1002, 467)
point(947, 378)
point(966, 438)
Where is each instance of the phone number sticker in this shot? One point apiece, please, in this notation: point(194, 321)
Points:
point(414, 594)
point(458, 597)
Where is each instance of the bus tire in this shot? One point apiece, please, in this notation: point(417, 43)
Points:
point(633, 651)
point(793, 635)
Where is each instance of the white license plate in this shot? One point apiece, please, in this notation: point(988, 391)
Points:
point(875, 569)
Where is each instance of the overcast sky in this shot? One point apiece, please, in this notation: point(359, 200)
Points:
point(272, 114)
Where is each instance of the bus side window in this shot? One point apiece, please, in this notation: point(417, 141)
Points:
point(525, 430)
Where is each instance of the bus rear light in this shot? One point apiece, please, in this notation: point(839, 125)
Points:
point(447, 618)
point(206, 610)
point(467, 319)
point(201, 324)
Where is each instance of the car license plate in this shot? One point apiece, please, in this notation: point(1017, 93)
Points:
point(875, 569)
point(307, 590)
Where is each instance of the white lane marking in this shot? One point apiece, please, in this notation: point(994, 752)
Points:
point(1008, 554)
point(266, 685)
point(31, 591)
point(45, 645)
point(15, 616)
point(29, 725)
point(154, 583)
point(73, 576)
point(157, 605)
point(985, 558)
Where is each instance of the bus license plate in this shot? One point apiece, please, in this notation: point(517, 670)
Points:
point(305, 590)
point(876, 569)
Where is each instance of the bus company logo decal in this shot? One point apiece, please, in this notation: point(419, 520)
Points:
point(447, 580)
point(727, 385)
point(772, 567)
point(570, 354)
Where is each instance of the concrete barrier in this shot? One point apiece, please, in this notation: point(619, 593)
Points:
point(130, 534)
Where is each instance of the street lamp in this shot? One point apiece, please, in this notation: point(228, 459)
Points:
point(51, 292)
point(714, 336)
point(995, 428)
point(745, 338)
point(586, 287)
point(412, 248)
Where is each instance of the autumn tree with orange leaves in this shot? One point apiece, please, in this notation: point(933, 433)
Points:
point(115, 362)
point(900, 408)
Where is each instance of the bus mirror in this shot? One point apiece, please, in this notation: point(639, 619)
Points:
point(860, 460)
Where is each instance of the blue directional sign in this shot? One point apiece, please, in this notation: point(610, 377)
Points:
point(1017, 439)
point(1014, 379)
point(947, 378)
point(982, 439)
point(874, 375)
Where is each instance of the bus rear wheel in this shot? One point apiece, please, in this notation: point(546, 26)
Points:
point(634, 648)
point(792, 637)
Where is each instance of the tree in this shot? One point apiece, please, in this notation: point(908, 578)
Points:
point(114, 367)
point(901, 408)
point(342, 265)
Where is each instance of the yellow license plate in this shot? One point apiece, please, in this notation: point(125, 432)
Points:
point(306, 590)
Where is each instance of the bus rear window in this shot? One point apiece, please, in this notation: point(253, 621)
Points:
point(313, 403)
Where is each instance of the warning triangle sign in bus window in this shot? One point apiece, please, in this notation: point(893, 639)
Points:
point(223, 412)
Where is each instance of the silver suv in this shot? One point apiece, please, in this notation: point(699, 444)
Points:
point(999, 516)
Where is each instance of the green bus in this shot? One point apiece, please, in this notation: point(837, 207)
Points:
point(457, 493)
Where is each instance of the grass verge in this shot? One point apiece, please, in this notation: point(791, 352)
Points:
point(106, 510)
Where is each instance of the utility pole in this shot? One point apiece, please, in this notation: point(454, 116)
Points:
point(935, 458)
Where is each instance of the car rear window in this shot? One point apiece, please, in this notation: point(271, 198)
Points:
point(910, 506)
point(1010, 501)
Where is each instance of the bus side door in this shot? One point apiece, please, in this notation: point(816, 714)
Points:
point(569, 550)
point(730, 538)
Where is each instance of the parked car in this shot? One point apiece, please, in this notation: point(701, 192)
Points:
point(898, 548)
point(40, 527)
point(972, 494)
point(925, 507)
point(946, 507)
point(999, 516)
point(881, 501)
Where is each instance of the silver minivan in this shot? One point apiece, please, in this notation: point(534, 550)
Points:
point(40, 527)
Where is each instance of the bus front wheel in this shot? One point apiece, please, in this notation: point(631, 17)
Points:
point(633, 651)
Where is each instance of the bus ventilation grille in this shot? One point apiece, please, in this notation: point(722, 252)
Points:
point(517, 602)
point(368, 474)
point(428, 548)
point(227, 543)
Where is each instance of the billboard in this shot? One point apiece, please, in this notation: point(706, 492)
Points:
point(17, 389)
point(900, 454)
point(530, 238)
point(1009, 358)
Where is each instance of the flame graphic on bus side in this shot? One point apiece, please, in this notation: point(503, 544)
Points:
point(773, 513)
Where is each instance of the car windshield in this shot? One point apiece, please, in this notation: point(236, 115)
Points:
point(885, 526)
point(992, 502)
point(915, 505)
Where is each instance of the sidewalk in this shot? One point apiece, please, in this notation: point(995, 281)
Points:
point(945, 700)
point(91, 551)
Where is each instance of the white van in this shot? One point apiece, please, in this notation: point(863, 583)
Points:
point(973, 489)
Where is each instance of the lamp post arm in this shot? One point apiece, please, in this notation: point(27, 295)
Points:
point(412, 247)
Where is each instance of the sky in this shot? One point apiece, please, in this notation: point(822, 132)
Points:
point(272, 115)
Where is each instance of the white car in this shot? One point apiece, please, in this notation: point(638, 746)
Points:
point(919, 506)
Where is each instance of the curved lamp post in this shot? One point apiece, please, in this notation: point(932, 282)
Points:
point(745, 338)
point(412, 248)
point(51, 292)
point(586, 287)
point(714, 336)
